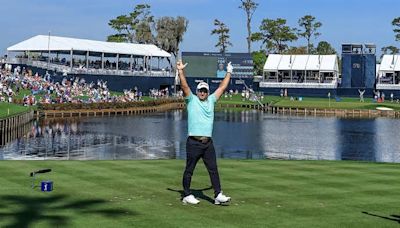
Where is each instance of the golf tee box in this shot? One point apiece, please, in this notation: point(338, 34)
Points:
point(47, 186)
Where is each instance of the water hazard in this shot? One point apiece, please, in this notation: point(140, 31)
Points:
point(239, 135)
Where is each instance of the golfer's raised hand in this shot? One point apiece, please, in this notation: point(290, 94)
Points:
point(180, 65)
point(229, 68)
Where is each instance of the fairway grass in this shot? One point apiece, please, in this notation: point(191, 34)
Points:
point(146, 193)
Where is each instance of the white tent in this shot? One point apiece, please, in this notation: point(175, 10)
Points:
point(327, 63)
point(300, 71)
point(390, 63)
point(300, 62)
point(286, 62)
point(272, 62)
point(56, 43)
point(388, 72)
point(313, 62)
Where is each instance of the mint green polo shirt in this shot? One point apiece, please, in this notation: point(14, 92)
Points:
point(200, 115)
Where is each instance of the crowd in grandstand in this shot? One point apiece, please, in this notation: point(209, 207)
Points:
point(92, 64)
point(32, 89)
point(69, 90)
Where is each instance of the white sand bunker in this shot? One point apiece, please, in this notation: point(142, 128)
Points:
point(384, 108)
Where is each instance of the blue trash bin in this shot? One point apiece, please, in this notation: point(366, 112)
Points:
point(47, 186)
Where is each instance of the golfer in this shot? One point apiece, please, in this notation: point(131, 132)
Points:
point(199, 143)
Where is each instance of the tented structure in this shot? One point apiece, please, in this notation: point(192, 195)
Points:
point(388, 73)
point(300, 71)
point(389, 69)
point(43, 43)
point(71, 53)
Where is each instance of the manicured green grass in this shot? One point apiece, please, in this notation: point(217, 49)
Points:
point(265, 193)
point(7, 109)
point(323, 103)
point(237, 99)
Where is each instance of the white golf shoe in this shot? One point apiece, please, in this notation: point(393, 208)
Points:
point(221, 198)
point(190, 199)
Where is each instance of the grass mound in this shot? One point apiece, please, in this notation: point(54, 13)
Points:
point(9, 109)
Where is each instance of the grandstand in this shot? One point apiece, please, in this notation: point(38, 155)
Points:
point(122, 65)
point(300, 71)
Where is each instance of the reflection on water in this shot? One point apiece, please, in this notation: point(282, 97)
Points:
point(7, 136)
point(96, 139)
point(247, 134)
point(357, 139)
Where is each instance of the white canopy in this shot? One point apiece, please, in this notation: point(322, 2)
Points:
point(300, 62)
point(329, 63)
point(56, 43)
point(285, 62)
point(390, 63)
point(277, 62)
point(272, 62)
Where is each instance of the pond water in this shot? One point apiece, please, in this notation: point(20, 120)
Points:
point(246, 134)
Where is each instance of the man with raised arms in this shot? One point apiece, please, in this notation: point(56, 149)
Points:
point(199, 144)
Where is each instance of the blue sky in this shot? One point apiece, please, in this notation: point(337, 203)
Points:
point(360, 21)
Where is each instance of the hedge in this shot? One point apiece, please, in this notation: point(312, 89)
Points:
point(107, 105)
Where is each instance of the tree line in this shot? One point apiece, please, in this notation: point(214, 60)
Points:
point(275, 35)
point(166, 32)
point(141, 27)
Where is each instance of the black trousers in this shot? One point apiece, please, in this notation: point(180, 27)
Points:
point(194, 151)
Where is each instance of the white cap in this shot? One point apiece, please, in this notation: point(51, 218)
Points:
point(202, 85)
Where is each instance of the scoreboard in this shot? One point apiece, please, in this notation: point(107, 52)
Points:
point(213, 64)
